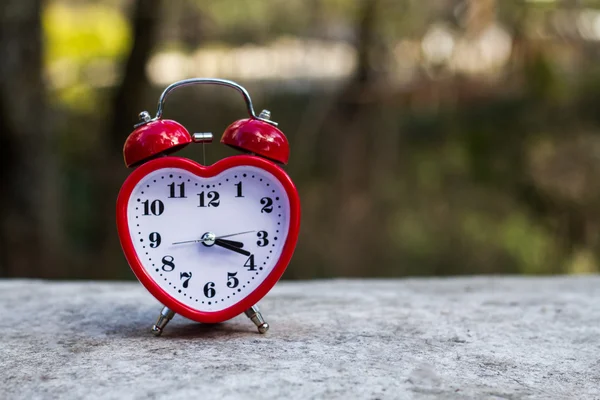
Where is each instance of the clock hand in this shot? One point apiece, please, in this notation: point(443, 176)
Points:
point(190, 241)
point(232, 242)
point(228, 246)
point(208, 239)
point(233, 234)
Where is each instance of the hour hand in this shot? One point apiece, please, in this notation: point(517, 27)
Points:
point(228, 246)
point(232, 242)
point(204, 240)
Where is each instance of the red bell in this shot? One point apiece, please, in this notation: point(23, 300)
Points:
point(258, 137)
point(161, 136)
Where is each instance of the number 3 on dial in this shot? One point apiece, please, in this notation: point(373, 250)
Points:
point(262, 235)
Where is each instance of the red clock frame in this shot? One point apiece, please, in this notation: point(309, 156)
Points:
point(207, 172)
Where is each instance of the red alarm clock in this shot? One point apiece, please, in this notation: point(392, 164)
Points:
point(208, 242)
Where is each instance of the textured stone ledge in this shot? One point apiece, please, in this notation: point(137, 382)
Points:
point(440, 338)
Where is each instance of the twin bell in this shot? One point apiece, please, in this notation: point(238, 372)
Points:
point(156, 137)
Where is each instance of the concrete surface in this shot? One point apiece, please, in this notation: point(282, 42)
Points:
point(469, 338)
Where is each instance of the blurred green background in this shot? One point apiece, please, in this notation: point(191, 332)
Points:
point(427, 137)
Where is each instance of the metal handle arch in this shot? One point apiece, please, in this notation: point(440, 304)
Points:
point(209, 81)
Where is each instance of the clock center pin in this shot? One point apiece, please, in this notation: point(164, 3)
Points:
point(208, 239)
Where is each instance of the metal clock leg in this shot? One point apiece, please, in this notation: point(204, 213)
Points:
point(163, 319)
point(254, 314)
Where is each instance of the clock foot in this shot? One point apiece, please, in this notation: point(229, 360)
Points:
point(163, 319)
point(255, 316)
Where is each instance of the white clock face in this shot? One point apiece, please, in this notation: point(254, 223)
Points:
point(209, 242)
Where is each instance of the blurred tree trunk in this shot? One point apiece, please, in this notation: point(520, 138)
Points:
point(126, 104)
point(30, 228)
point(350, 163)
point(128, 99)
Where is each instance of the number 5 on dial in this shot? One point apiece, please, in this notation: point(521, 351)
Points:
point(232, 281)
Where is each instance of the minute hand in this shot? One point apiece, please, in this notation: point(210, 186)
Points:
point(227, 246)
point(218, 237)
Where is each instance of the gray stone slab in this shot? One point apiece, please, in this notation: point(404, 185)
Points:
point(468, 338)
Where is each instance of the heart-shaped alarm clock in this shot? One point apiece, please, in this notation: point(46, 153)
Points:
point(208, 242)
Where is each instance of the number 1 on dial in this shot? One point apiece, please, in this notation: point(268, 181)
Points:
point(239, 189)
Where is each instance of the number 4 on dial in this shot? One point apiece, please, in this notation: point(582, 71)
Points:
point(250, 263)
